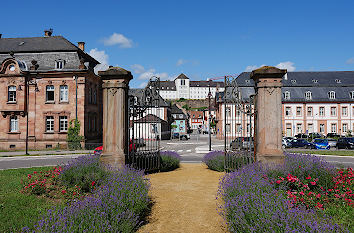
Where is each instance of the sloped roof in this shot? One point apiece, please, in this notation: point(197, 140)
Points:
point(139, 93)
point(36, 44)
point(150, 118)
point(167, 86)
point(206, 84)
point(182, 76)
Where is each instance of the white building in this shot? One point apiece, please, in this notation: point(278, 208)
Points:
point(182, 87)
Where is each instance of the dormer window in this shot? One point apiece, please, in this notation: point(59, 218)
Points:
point(332, 95)
point(308, 95)
point(314, 80)
point(247, 81)
point(12, 67)
point(59, 65)
point(293, 81)
point(338, 81)
point(351, 94)
point(287, 95)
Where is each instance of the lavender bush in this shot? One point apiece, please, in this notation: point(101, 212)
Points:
point(249, 203)
point(214, 160)
point(82, 171)
point(304, 165)
point(170, 160)
point(115, 206)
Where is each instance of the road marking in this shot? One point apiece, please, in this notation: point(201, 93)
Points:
point(189, 150)
point(180, 151)
point(186, 143)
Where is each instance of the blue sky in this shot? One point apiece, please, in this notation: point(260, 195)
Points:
point(202, 39)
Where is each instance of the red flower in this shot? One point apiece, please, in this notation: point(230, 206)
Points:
point(318, 195)
point(319, 205)
point(301, 193)
point(93, 183)
point(313, 182)
point(308, 178)
point(63, 191)
point(278, 181)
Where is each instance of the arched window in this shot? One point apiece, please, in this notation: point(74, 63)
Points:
point(287, 95)
point(332, 95)
point(308, 95)
point(11, 94)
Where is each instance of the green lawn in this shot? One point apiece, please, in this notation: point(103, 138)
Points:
point(325, 152)
point(18, 210)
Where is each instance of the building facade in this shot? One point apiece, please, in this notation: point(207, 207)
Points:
point(312, 102)
point(183, 87)
point(47, 82)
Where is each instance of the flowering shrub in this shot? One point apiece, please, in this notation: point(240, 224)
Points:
point(115, 206)
point(258, 198)
point(82, 171)
point(214, 160)
point(41, 182)
point(169, 160)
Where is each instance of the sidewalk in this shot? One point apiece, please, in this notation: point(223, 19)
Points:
point(184, 201)
point(45, 152)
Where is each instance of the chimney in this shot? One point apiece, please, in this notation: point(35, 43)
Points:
point(81, 45)
point(48, 33)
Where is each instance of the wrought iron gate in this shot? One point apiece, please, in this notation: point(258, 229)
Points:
point(145, 126)
point(238, 124)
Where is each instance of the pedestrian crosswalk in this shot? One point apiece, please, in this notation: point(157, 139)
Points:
point(182, 151)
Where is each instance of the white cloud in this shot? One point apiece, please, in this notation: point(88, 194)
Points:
point(100, 56)
point(147, 74)
point(287, 65)
point(250, 68)
point(118, 39)
point(181, 62)
point(143, 84)
point(282, 65)
point(350, 61)
point(137, 68)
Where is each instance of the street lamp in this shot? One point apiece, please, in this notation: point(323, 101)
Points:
point(209, 117)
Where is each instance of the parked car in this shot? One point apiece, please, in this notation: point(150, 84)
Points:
point(315, 135)
point(332, 142)
point(286, 143)
point(100, 148)
point(332, 135)
point(242, 143)
point(321, 144)
point(184, 136)
point(301, 143)
point(301, 135)
point(175, 135)
point(139, 142)
point(345, 143)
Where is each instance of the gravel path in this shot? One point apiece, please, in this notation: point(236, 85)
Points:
point(185, 201)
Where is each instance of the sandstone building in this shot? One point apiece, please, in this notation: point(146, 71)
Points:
point(48, 81)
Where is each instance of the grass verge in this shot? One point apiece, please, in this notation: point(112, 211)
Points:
point(325, 152)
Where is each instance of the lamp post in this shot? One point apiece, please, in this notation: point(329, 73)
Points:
point(209, 117)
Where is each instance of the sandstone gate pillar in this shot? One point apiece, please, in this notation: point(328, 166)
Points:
point(268, 108)
point(115, 115)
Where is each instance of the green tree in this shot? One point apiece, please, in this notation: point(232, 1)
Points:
point(74, 138)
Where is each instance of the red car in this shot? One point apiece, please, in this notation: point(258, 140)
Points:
point(100, 148)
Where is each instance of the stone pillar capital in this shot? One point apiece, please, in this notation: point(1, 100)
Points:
point(268, 76)
point(116, 75)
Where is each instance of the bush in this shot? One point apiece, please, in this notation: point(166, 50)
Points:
point(215, 160)
point(169, 160)
point(249, 203)
point(115, 206)
point(85, 172)
point(73, 137)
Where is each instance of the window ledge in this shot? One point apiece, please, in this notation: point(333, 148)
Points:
point(13, 132)
point(11, 102)
point(50, 102)
point(48, 132)
point(64, 102)
point(63, 132)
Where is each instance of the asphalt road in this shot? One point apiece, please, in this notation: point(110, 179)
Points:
point(191, 151)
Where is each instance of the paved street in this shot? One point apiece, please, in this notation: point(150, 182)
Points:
point(191, 151)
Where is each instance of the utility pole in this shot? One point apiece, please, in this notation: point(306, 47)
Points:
point(209, 117)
